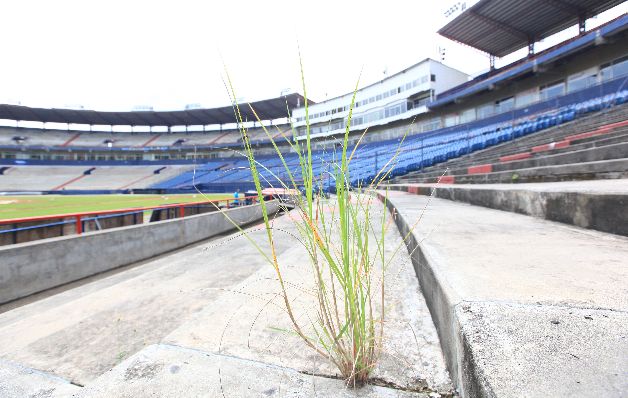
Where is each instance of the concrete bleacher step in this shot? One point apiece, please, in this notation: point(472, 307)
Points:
point(585, 143)
point(164, 370)
point(493, 154)
point(523, 306)
point(20, 381)
point(82, 330)
point(615, 117)
point(599, 205)
point(167, 318)
point(598, 153)
point(615, 168)
point(411, 358)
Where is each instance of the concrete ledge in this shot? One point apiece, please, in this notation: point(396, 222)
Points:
point(492, 156)
point(563, 351)
point(172, 371)
point(18, 381)
point(602, 209)
point(608, 152)
point(616, 168)
point(523, 307)
point(37, 266)
point(244, 323)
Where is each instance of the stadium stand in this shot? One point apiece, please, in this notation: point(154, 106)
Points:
point(56, 178)
point(590, 148)
point(26, 138)
point(527, 304)
point(420, 152)
point(512, 295)
point(537, 111)
point(569, 123)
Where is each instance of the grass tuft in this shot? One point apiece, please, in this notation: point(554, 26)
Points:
point(344, 243)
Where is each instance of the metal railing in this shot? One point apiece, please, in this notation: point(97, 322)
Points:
point(78, 219)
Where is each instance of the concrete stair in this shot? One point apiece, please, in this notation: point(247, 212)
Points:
point(201, 322)
point(164, 370)
point(523, 306)
point(599, 205)
point(600, 137)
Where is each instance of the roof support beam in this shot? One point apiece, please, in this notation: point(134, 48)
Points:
point(570, 9)
point(566, 7)
point(501, 26)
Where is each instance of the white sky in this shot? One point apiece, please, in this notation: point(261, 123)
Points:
point(115, 54)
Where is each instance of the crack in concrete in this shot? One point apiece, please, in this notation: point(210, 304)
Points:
point(541, 304)
point(380, 382)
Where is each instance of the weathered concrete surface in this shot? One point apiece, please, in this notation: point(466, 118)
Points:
point(513, 296)
point(17, 381)
point(601, 205)
point(615, 168)
point(542, 350)
point(36, 266)
point(213, 297)
point(617, 186)
point(607, 152)
point(248, 321)
point(83, 332)
point(171, 371)
point(571, 155)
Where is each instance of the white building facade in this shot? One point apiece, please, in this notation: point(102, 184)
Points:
point(400, 96)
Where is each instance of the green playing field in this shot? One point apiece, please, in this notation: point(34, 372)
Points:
point(34, 205)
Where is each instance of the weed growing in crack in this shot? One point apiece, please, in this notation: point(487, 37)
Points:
point(344, 244)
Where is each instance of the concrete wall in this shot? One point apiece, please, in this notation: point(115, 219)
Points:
point(33, 267)
point(53, 231)
point(601, 211)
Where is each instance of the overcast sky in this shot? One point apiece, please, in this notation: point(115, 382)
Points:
point(114, 54)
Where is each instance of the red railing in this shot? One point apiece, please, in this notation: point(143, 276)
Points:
point(79, 217)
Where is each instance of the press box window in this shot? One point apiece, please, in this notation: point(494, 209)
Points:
point(552, 90)
point(580, 82)
point(620, 67)
point(505, 104)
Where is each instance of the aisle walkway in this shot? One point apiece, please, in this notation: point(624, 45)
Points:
point(524, 307)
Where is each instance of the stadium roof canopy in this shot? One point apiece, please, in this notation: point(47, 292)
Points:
point(500, 27)
point(269, 109)
point(526, 67)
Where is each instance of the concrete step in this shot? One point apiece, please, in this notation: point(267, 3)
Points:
point(594, 152)
point(613, 137)
point(556, 133)
point(218, 298)
point(607, 152)
point(616, 168)
point(492, 156)
point(245, 325)
point(586, 143)
point(524, 307)
point(599, 205)
point(163, 370)
point(18, 381)
point(84, 330)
